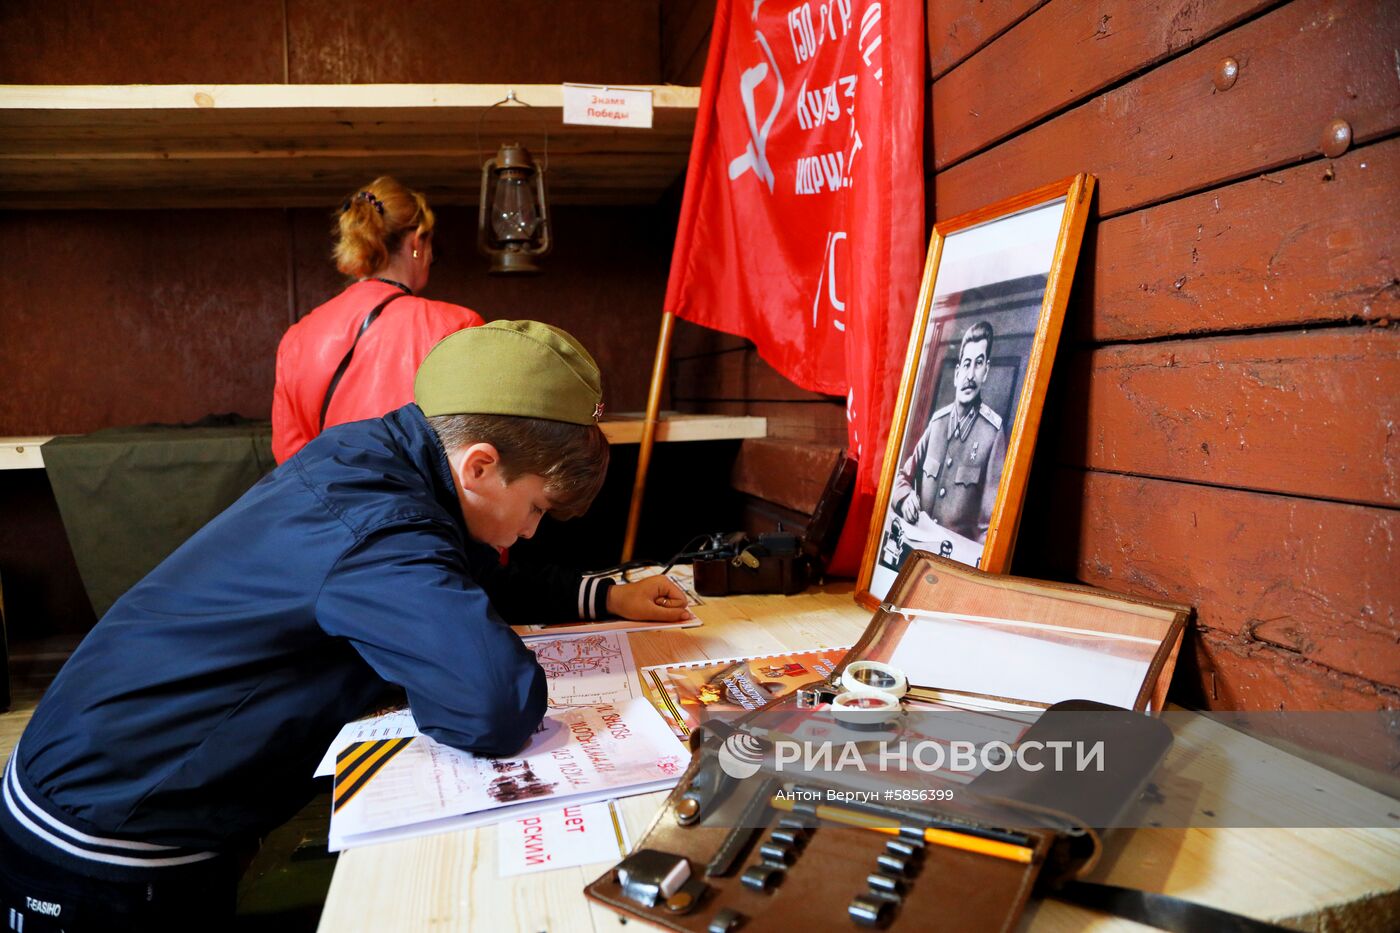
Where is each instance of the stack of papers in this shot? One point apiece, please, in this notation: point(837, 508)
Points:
point(600, 739)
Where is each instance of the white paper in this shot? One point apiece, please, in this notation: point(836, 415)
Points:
point(1004, 248)
point(580, 753)
point(1021, 660)
point(576, 834)
point(926, 534)
point(582, 671)
point(597, 105)
point(476, 820)
point(585, 670)
point(529, 633)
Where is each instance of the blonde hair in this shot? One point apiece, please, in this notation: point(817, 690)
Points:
point(372, 223)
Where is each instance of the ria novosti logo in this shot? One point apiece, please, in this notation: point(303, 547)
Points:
point(741, 755)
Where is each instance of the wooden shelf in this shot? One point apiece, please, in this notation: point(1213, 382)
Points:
point(626, 427)
point(24, 453)
point(306, 145)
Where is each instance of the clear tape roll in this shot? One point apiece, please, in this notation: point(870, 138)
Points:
point(872, 675)
point(865, 708)
point(865, 699)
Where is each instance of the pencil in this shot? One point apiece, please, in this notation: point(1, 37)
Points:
point(938, 837)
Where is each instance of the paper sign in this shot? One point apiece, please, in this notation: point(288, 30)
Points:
point(560, 838)
point(597, 105)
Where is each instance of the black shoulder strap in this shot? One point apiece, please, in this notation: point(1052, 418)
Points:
point(1159, 910)
point(345, 360)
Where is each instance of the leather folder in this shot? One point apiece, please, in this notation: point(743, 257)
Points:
point(801, 869)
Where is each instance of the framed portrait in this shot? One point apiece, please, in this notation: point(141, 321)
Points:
point(990, 310)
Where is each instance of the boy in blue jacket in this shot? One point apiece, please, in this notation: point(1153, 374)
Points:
point(189, 721)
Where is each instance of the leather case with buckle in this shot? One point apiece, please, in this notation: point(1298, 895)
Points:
point(799, 867)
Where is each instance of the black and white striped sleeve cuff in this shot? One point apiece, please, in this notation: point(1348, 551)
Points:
point(593, 597)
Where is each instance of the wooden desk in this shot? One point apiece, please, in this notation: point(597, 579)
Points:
point(1346, 877)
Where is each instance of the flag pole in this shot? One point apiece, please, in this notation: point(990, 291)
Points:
point(639, 485)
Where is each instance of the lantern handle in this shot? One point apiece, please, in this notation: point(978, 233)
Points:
point(509, 99)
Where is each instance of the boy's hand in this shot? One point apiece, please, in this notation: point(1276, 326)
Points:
point(655, 599)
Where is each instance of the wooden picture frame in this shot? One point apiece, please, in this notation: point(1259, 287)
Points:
point(990, 310)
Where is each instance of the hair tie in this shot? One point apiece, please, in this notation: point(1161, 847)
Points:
point(367, 196)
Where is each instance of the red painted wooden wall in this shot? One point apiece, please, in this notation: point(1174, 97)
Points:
point(1223, 421)
point(129, 316)
point(1221, 426)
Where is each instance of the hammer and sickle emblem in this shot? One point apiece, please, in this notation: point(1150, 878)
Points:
point(756, 153)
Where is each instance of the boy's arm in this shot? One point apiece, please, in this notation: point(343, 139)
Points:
point(406, 601)
point(530, 594)
point(527, 594)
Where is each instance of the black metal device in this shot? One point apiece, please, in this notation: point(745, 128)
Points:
point(775, 563)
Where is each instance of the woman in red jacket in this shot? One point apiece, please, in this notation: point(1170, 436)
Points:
point(354, 357)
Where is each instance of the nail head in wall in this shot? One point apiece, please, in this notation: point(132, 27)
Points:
point(1336, 139)
point(1225, 74)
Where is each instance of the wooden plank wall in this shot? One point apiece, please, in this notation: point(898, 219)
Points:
point(1222, 426)
point(128, 316)
point(782, 475)
point(177, 314)
point(685, 40)
point(1220, 429)
point(328, 42)
point(147, 315)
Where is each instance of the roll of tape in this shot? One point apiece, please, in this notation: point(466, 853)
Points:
point(872, 675)
point(865, 708)
point(865, 700)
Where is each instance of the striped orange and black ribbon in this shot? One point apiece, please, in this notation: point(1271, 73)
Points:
point(360, 761)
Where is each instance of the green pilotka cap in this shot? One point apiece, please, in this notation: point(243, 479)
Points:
point(522, 368)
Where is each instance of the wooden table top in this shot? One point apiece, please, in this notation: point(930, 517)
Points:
point(1303, 877)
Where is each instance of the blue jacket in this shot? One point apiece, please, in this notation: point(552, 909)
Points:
point(192, 716)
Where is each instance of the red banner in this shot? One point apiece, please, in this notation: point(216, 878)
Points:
point(802, 226)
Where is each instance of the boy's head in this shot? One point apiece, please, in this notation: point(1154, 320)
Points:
point(515, 404)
